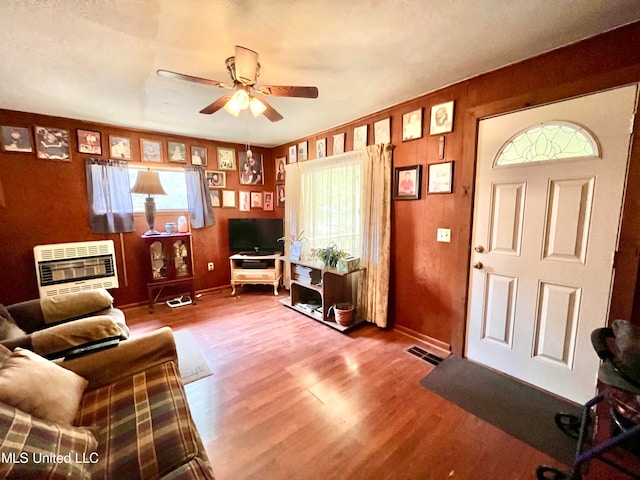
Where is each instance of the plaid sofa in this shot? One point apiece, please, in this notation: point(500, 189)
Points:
point(136, 404)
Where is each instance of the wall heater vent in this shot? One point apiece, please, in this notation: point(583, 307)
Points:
point(73, 267)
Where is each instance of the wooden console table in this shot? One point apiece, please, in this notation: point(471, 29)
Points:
point(256, 270)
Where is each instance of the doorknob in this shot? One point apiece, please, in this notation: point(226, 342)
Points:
point(477, 265)
point(479, 249)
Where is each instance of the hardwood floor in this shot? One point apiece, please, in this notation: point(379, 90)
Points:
point(293, 399)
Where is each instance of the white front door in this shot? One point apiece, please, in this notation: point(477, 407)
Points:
point(544, 237)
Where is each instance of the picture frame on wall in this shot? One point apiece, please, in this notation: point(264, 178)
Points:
point(216, 198)
point(198, 156)
point(229, 198)
point(412, 125)
point(89, 142)
point(302, 151)
point(338, 144)
point(281, 172)
point(119, 147)
point(177, 152)
point(280, 195)
point(407, 182)
point(441, 118)
point(251, 168)
point(359, 137)
point(440, 177)
point(321, 148)
point(226, 158)
point(293, 155)
point(244, 201)
point(150, 150)
point(256, 199)
point(382, 131)
point(268, 202)
point(52, 143)
point(16, 139)
point(216, 179)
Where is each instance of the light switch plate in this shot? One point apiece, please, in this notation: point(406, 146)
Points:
point(444, 234)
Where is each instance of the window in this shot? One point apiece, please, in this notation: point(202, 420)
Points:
point(174, 185)
point(548, 141)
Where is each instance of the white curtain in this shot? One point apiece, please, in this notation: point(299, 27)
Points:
point(345, 199)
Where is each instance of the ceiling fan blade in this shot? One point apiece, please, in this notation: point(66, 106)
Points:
point(284, 91)
point(246, 65)
point(190, 78)
point(271, 113)
point(217, 105)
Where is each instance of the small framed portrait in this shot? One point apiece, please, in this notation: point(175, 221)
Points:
point(52, 143)
point(412, 125)
point(302, 151)
point(441, 118)
point(199, 156)
point(338, 144)
point(359, 137)
point(229, 198)
point(280, 196)
point(119, 147)
point(268, 202)
point(226, 158)
point(281, 173)
point(16, 139)
point(382, 131)
point(321, 148)
point(256, 199)
point(151, 150)
point(251, 168)
point(407, 182)
point(244, 199)
point(177, 152)
point(216, 198)
point(216, 179)
point(293, 154)
point(440, 178)
point(89, 142)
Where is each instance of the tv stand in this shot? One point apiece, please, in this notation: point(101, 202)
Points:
point(257, 253)
point(255, 269)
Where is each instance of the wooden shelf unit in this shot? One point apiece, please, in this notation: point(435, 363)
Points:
point(313, 290)
point(256, 270)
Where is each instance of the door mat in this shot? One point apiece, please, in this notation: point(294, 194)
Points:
point(512, 406)
point(191, 363)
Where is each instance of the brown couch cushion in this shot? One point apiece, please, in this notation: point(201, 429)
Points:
point(8, 327)
point(71, 305)
point(30, 442)
point(40, 387)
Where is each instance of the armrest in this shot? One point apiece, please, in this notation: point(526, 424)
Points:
point(131, 356)
point(28, 315)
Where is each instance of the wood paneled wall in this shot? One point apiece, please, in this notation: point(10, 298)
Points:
point(428, 291)
point(45, 201)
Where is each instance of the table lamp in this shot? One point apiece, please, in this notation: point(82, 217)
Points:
point(148, 183)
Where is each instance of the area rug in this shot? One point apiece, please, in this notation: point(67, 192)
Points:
point(512, 406)
point(191, 363)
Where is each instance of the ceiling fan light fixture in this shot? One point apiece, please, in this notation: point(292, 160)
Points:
point(246, 65)
point(256, 106)
point(239, 101)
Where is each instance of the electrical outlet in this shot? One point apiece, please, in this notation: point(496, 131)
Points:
point(444, 234)
point(210, 266)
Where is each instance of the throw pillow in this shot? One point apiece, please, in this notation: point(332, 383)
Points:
point(34, 449)
point(40, 387)
point(8, 327)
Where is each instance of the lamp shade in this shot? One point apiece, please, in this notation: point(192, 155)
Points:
point(148, 182)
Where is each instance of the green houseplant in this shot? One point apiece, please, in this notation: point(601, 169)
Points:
point(329, 255)
point(295, 243)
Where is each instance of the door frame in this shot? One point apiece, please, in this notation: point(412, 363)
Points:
point(625, 299)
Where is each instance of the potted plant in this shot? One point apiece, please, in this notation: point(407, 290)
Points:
point(342, 312)
point(295, 243)
point(329, 255)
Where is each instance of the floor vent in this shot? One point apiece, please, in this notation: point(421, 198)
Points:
point(422, 354)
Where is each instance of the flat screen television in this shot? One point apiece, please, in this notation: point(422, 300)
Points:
point(256, 236)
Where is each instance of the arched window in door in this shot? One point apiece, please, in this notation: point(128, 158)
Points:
point(548, 141)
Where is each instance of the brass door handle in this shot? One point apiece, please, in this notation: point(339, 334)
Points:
point(478, 265)
point(479, 249)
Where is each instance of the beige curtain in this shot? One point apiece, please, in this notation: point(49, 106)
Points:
point(304, 184)
point(373, 290)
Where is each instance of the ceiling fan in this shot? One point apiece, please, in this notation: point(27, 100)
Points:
point(244, 70)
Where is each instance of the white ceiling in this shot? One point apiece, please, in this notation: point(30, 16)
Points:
point(96, 60)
